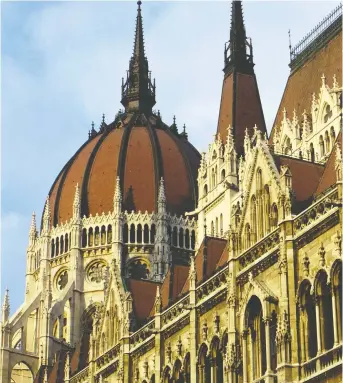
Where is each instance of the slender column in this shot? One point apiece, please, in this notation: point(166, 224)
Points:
point(252, 359)
point(334, 316)
point(319, 340)
point(303, 335)
point(267, 331)
point(245, 359)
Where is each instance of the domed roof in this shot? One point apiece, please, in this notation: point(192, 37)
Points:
point(139, 150)
point(137, 147)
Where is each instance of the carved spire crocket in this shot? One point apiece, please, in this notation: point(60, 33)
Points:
point(138, 91)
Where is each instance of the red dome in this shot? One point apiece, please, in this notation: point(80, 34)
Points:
point(138, 150)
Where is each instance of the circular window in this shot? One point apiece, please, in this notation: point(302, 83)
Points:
point(96, 272)
point(62, 280)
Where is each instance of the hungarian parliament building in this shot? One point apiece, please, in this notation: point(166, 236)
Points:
point(153, 263)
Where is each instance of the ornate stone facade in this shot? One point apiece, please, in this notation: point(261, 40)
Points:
point(245, 288)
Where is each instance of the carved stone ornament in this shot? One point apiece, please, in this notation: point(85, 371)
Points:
point(97, 272)
point(62, 280)
point(204, 331)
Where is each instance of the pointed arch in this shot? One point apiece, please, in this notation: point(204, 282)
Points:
point(204, 368)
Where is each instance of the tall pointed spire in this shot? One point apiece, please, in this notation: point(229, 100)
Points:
point(239, 86)
point(46, 216)
point(77, 203)
point(6, 307)
point(33, 229)
point(138, 92)
point(238, 52)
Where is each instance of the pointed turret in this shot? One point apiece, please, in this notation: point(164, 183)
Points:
point(6, 307)
point(117, 199)
point(138, 92)
point(77, 203)
point(238, 51)
point(46, 216)
point(33, 229)
point(161, 197)
point(240, 104)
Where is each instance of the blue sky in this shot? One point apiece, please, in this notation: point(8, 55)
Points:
point(62, 64)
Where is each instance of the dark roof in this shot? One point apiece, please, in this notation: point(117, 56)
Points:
point(306, 80)
point(329, 175)
point(305, 178)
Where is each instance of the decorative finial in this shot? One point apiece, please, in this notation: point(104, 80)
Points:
point(103, 118)
point(290, 44)
point(117, 198)
point(6, 307)
point(139, 3)
point(33, 228)
point(323, 80)
point(77, 203)
point(334, 82)
point(46, 216)
point(174, 120)
point(158, 300)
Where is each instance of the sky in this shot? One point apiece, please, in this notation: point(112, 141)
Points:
point(61, 68)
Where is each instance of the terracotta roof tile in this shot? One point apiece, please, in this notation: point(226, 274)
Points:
point(103, 174)
point(74, 176)
point(305, 176)
point(143, 295)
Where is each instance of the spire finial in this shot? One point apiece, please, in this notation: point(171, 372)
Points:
point(33, 228)
point(236, 54)
point(162, 193)
point(77, 203)
point(289, 45)
point(46, 216)
point(138, 91)
point(6, 307)
point(117, 199)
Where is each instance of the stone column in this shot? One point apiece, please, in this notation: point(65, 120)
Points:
point(319, 340)
point(245, 356)
point(267, 332)
point(334, 316)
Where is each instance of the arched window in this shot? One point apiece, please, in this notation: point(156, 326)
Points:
point(257, 339)
point(205, 190)
point(221, 225)
point(139, 233)
point(312, 156)
point(57, 246)
point(266, 212)
point(97, 236)
point(216, 233)
point(66, 243)
point(187, 368)
point(259, 179)
point(217, 362)
point(327, 142)
point(336, 292)
point(152, 233)
point(174, 236)
point(323, 299)
point(212, 229)
point(90, 236)
point(62, 244)
point(181, 238)
point(253, 217)
point(274, 218)
point(308, 330)
point(84, 238)
point(204, 365)
point(321, 146)
point(187, 239)
point(327, 114)
point(103, 235)
point(126, 233)
point(52, 248)
point(109, 234)
point(213, 178)
point(146, 234)
point(132, 233)
point(232, 163)
point(193, 240)
point(247, 236)
point(300, 154)
point(178, 372)
point(222, 175)
point(332, 134)
point(287, 146)
point(167, 375)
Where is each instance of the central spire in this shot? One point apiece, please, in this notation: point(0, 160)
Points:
point(236, 55)
point(138, 92)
